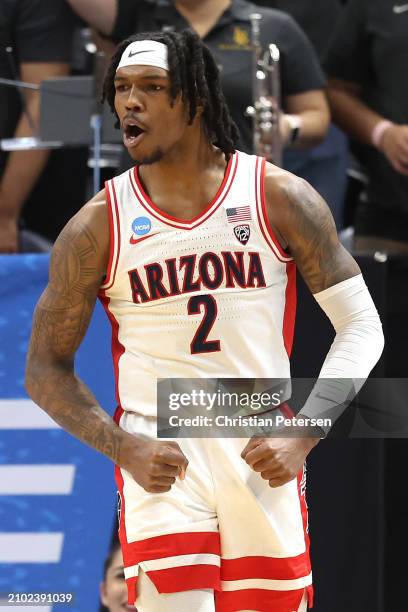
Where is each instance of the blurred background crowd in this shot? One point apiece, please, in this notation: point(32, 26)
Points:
point(344, 120)
point(342, 73)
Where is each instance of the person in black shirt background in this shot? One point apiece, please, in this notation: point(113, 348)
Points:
point(368, 92)
point(35, 44)
point(325, 166)
point(225, 28)
point(317, 18)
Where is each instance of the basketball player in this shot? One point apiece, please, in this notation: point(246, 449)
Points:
point(193, 254)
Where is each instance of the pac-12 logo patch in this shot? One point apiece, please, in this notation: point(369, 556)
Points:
point(242, 232)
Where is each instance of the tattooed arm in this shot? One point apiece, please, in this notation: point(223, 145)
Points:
point(62, 315)
point(61, 318)
point(304, 226)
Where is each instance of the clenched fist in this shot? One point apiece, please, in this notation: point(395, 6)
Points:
point(154, 465)
point(278, 460)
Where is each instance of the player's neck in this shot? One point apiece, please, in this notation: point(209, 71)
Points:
point(187, 179)
point(185, 162)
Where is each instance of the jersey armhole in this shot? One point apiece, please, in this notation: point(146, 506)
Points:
point(266, 229)
point(114, 235)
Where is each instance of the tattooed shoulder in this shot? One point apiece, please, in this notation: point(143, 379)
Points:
point(77, 267)
point(303, 218)
point(79, 258)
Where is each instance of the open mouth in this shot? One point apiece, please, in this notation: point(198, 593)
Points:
point(132, 134)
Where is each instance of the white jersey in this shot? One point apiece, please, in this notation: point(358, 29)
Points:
point(211, 297)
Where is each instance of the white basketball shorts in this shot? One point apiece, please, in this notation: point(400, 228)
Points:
point(221, 528)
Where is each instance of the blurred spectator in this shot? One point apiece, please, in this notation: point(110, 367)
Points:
point(113, 589)
point(35, 44)
point(317, 18)
point(324, 166)
point(225, 27)
point(368, 92)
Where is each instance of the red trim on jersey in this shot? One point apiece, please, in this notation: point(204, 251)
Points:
point(186, 578)
point(305, 521)
point(269, 568)
point(198, 219)
point(286, 410)
point(118, 415)
point(172, 545)
point(263, 600)
point(111, 234)
point(270, 238)
point(271, 233)
point(114, 237)
point(118, 233)
point(130, 582)
point(303, 507)
point(122, 525)
point(289, 316)
point(117, 348)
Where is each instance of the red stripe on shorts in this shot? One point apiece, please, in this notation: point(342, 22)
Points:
point(177, 579)
point(131, 584)
point(262, 600)
point(174, 579)
point(269, 568)
point(171, 545)
point(301, 482)
point(186, 578)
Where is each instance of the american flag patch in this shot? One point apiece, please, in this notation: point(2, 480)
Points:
point(240, 213)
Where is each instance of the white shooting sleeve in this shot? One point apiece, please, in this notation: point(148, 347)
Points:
point(355, 350)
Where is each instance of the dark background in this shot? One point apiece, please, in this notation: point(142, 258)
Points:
point(356, 493)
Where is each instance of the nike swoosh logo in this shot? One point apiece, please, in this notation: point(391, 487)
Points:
point(131, 54)
point(400, 8)
point(136, 240)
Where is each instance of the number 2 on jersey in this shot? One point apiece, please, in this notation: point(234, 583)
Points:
point(199, 343)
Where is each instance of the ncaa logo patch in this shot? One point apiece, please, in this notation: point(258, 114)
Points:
point(242, 233)
point(141, 226)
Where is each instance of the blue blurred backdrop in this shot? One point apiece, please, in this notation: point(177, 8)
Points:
point(57, 496)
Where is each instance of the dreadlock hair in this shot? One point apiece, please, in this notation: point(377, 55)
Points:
point(193, 74)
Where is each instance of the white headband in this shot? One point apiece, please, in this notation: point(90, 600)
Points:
point(145, 53)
